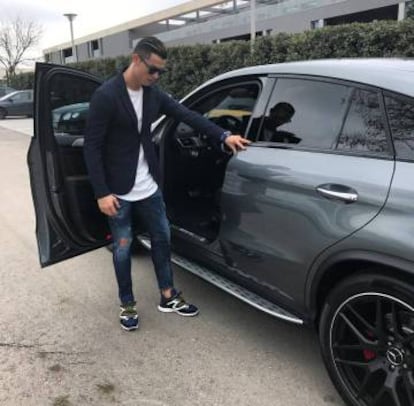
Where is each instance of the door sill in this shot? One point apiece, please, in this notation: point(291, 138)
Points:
point(189, 234)
point(230, 287)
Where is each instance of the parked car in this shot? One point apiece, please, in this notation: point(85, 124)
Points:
point(313, 224)
point(4, 89)
point(18, 103)
point(70, 119)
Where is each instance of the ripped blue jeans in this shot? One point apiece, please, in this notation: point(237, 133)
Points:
point(150, 212)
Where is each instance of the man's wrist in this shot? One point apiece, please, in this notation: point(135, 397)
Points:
point(224, 136)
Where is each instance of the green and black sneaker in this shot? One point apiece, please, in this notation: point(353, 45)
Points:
point(128, 317)
point(177, 304)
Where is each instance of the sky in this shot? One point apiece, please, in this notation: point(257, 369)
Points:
point(92, 16)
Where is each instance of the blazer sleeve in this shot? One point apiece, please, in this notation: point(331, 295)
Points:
point(172, 108)
point(99, 118)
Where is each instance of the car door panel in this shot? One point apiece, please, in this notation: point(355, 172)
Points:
point(275, 223)
point(68, 220)
point(12, 107)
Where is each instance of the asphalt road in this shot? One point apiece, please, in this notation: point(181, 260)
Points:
point(61, 345)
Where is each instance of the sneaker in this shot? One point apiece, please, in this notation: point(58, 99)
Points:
point(128, 317)
point(177, 304)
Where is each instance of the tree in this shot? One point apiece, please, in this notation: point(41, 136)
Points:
point(16, 38)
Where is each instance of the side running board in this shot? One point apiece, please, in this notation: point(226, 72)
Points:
point(236, 290)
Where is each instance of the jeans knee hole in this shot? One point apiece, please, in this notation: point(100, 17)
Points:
point(123, 242)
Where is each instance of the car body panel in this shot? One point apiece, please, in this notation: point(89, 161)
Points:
point(281, 223)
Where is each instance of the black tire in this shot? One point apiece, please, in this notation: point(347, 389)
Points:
point(3, 114)
point(366, 335)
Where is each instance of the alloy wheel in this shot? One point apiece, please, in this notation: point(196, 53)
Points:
point(372, 349)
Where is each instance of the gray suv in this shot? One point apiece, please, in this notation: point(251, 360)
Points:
point(313, 224)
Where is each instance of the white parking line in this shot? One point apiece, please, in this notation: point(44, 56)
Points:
point(21, 125)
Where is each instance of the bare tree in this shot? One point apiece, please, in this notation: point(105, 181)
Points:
point(16, 38)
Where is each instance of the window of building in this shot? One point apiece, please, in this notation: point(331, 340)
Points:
point(67, 53)
point(68, 56)
point(401, 119)
point(379, 13)
point(317, 24)
point(364, 129)
point(95, 49)
point(243, 37)
point(308, 113)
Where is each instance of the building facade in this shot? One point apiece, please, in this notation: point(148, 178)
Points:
point(212, 21)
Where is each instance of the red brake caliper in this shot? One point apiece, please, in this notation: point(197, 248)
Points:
point(369, 355)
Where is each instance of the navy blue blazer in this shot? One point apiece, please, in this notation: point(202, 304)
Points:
point(112, 139)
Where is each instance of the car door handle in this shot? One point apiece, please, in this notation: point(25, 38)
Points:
point(338, 192)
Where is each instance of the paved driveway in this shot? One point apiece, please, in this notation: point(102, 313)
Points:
point(22, 125)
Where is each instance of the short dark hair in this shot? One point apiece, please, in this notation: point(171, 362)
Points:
point(150, 45)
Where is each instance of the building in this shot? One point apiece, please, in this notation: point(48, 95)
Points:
point(212, 21)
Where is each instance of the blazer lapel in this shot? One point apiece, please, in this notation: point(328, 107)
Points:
point(126, 100)
point(145, 108)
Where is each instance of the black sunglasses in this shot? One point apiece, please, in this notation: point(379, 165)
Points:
point(152, 70)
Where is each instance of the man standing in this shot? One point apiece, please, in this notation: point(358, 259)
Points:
point(124, 171)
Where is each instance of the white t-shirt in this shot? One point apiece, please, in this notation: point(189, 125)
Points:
point(144, 185)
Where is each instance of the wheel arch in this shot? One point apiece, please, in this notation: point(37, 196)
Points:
point(327, 274)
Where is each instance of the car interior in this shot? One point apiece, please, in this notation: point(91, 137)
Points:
point(194, 167)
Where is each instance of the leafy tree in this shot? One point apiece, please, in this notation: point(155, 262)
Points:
point(16, 38)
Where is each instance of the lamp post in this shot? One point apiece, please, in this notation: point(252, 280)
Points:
point(71, 17)
point(252, 24)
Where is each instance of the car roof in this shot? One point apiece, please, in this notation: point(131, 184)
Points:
point(72, 107)
point(19, 91)
point(395, 74)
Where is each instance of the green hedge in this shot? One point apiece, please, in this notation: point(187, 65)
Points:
point(190, 66)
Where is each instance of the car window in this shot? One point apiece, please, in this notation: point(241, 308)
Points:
point(230, 107)
point(305, 112)
point(401, 119)
point(364, 129)
point(19, 97)
point(26, 96)
point(70, 97)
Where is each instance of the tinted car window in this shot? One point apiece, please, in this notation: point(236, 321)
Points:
point(20, 97)
point(305, 112)
point(363, 129)
point(70, 104)
point(401, 118)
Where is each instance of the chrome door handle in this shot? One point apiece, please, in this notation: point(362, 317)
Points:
point(347, 197)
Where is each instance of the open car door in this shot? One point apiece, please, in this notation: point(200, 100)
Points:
point(68, 221)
